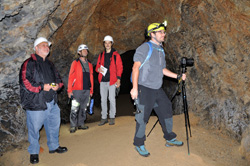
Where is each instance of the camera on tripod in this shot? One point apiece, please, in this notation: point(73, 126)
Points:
point(186, 62)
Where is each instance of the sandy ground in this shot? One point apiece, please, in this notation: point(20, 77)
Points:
point(112, 145)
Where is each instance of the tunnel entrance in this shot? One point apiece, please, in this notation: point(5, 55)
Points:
point(127, 60)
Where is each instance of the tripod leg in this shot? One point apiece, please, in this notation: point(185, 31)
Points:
point(187, 132)
point(187, 124)
point(153, 127)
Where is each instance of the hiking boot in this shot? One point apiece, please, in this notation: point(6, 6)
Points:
point(112, 121)
point(72, 129)
point(173, 142)
point(142, 151)
point(103, 121)
point(83, 127)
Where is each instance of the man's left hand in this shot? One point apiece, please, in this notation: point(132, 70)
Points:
point(183, 77)
point(55, 88)
point(118, 83)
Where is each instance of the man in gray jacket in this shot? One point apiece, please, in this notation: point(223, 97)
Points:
point(147, 82)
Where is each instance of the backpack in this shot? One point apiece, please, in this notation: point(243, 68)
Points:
point(149, 55)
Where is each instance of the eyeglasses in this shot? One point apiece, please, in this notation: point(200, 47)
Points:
point(162, 32)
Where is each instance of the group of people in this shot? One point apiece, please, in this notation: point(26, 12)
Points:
point(40, 81)
point(81, 83)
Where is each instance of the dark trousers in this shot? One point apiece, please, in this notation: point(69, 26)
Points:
point(78, 116)
point(150, 99)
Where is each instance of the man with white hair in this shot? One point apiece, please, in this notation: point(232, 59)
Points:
point(80, 88)
point(39, 82)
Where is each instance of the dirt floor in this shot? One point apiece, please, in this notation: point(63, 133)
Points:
point(112, 145)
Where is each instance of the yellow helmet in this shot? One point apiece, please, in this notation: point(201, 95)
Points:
point(156, 27)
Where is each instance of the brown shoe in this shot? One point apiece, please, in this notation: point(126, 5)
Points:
point(72, 129)
point(83, 127)
point(112, 121)
point(103, 121)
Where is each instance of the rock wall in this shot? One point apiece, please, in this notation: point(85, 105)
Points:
point(216, 33)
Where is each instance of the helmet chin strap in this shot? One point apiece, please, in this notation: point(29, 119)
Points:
point(156, 40)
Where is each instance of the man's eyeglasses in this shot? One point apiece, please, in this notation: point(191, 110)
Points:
point(162, 32)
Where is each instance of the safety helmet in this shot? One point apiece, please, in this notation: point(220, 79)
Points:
point(82, 47)
point(40, 40)
point(108, 38)
point(156, 27)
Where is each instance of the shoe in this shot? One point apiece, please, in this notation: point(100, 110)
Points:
point(112, 121)
point(72, 129)
point(59, 150)
point(34, 159)
point(83, 127)
point(173, 142)
point(103, 121)
point(142, 151)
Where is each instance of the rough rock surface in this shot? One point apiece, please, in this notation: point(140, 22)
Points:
point(216, 33)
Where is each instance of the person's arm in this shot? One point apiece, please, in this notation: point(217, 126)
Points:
point(169, 73)
point(59, 83)
point(26, 78)
point(71, 79)
point(135, 77)
point(119, 69)
point(91, 79)
point(98, 64)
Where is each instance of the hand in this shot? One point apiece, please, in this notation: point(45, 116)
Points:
point(118, 83)
point(100, 70)
point(46, 87)
point(134, 93)
point(55, 88)
point(91, 95)
point(183, 77)
point(70, 94)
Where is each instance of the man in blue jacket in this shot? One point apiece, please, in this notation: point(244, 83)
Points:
point(39, 83)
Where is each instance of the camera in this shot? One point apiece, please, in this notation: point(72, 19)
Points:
point(186, 62)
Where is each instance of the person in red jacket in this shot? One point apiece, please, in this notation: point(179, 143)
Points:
point(110, 68)
point(80, 88)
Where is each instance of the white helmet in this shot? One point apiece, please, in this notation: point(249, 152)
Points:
point(40, 40)
point(82, 47)
point(108, 38)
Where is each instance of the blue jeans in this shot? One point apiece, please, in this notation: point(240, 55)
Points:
point(50, 118)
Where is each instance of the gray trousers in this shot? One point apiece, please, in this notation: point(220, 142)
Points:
point(77, 117)
point(150, 99)
point(107, 91)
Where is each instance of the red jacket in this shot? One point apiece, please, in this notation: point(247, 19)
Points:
point(75, 81)
point(115, 68)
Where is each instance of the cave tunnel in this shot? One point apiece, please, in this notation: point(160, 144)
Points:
point(215, 34)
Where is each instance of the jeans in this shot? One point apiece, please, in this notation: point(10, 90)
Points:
point(106, 91)
point(50, 118)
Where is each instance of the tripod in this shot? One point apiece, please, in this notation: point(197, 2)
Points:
point(185, 107)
